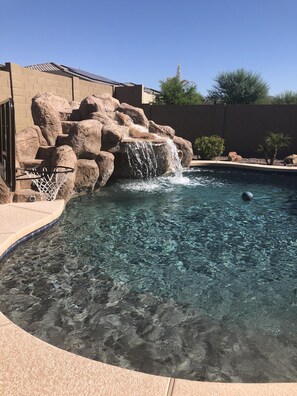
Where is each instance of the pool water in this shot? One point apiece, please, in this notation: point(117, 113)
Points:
point(175, 276)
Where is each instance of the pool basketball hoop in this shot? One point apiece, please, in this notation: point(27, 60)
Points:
point(48, 179)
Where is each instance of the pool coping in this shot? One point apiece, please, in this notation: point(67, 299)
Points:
point(242, 165)
point(29, 366)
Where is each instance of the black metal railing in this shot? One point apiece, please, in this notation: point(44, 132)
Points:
point(7, 143)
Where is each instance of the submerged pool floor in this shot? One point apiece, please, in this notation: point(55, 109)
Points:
point(175, 276)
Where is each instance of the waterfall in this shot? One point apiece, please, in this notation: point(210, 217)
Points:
point(142, 159)
point(174, 161)
point(148, 159)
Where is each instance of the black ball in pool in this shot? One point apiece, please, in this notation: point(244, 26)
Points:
point(247, 196)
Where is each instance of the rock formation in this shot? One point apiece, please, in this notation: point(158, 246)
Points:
point(93, 137)
point(291, 159)
point(233, 156)
point(5, 194)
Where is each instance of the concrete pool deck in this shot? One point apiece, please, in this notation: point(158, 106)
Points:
point(29, 366)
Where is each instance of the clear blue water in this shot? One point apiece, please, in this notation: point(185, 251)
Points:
point(174, 276)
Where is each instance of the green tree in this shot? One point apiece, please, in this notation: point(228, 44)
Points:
point(286, 97)
point(272, 143)
point(239, 87)
point(174, 91)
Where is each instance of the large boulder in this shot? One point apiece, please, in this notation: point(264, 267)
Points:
point(112, 134)
point(136, 114)
point(186, 148)
point(234, 157)
point(65, 156)
point(97, 102)
point(123, 119)
point(67, 126)
point(135, 133)
point(161, 130)
point(86, 175)
point(5, 193)
point(46, 112)
point(291, 159)
point(27, 143)
point(105, 162)
point(85, 139)
point(104, 118)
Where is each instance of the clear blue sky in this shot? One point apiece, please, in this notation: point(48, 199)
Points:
point(143, 42)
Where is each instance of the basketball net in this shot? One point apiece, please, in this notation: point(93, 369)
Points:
point(47, 182)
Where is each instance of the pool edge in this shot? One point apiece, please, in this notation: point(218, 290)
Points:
point(244, 166)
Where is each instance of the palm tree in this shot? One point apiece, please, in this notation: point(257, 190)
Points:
point(286, 97)
point(239, 87)
point(272, 143)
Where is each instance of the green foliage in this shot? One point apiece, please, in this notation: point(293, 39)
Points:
point(175, 91)
point(286, 97)
point(209, 147)
point(239, 87)
point(272, 143)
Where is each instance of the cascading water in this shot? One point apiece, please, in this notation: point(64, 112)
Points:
point(173, 158)
point(142, 159)
point(148, 159)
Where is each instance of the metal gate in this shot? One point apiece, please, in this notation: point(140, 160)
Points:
point(7, 143)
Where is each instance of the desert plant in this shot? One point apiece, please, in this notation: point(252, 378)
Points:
point(209, 147)
point(272, 143)
point(286, 97)
point(239, 87)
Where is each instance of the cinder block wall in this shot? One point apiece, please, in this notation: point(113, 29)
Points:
point(27, 83)
point(23, 84)
point(5, 88)
point(82, 89)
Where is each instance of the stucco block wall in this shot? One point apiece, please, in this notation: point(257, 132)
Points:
point(27, 83)
point(23, 84)
point(82, 89)
point(5, 88)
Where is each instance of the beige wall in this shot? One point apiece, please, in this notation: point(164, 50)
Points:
point(26, 83)
point(82, 89)
point(147, 97)
point(5, 89)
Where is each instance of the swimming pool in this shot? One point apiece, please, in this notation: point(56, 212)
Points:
point(175, 276)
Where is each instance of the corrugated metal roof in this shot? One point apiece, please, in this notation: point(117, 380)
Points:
point(44, 67)
point(52, 67)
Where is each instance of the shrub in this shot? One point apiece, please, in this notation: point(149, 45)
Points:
point(209, 147)
point(272, 143)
